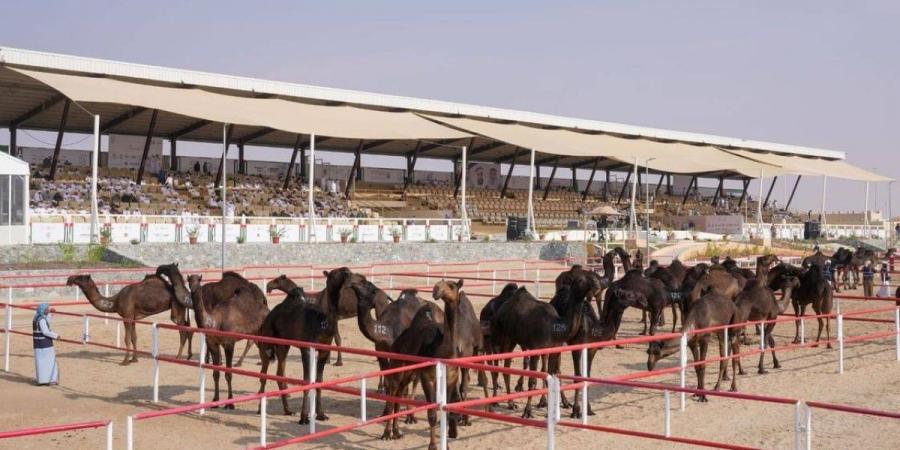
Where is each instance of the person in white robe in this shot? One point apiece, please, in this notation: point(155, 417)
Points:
point(45, 366)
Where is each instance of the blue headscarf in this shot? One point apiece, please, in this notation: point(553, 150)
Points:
point(41, 310)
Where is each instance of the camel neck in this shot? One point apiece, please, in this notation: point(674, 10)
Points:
point(451, 311)
point(368, 325)
point(104, 304)
point(199, 306)
point(785, 299)
point(573, 314)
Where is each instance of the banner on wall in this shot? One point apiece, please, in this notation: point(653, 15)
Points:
point(381, 175)
point(126, 152)
point(430, 177)
point(484, 175)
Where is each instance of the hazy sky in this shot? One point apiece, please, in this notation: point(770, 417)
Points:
point(816, 73)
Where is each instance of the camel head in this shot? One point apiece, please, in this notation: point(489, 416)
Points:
point(767, 260)
point(194, 282)
point(652, 267)
point(365, 293)
point(282, 283)
point(714, 260)
point(79, 280)
point(176, 279)
point(658, 350)
point(447, 290)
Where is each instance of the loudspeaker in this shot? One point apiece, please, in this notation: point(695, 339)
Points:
point(515, 228)
point(811, 230)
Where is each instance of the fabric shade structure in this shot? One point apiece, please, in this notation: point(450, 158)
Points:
point(799, 165)
point(674, 157)
point(334, 121)
point(605, 210)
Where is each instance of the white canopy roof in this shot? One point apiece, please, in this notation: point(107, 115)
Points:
point(800, 165)
point(10, 165)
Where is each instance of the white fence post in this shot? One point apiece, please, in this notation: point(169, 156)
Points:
point(118, 334)
point(798, 425)
point(552, 410)
point(537, 281)
point(440, 371)
point(7, 333)
point(896, 331)
point(86, 329)
point(129, 433)
point(727, 345)
point(263, 409)
point(840, 332)
point(667, 414)
point(155, 350)
point(202, 337)
point(683, 364)
point(109, 435)
point(803, 331)
point(313, 358)
point(362, 401)
point(494, 282)
point(762, 337)
point(584, 389)
point(808, 428)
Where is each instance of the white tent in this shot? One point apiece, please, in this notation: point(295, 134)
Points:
point(13, 200)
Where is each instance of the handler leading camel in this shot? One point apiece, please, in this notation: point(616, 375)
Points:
point(45, 367)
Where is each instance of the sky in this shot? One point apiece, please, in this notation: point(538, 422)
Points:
point(818, 73)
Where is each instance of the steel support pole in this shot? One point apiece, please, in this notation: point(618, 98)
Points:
point(866, 216)
point(529, 220)
point(759, 205)
point(464, 215)
point(59, 138)
point(310, 204)
point(587, 187)
point(793, 191)
point(824, 188)
point(224, 184)
point(634, 199)
point(95, 159)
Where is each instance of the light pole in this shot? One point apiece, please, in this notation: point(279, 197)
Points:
point(890, 230)
point(647, 208)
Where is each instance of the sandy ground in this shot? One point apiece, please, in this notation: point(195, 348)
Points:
point(93, 387)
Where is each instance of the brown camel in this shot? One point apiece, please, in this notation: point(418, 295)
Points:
point(346, 310)
point(148, 297)
point(241, 313)
point(296, 319)
point(219, 291)
point(759, 303)
point(485, 317)
point(427, 338)
point(711, 310)
point(598, 331)
point(814, 290)
point(393, 320)
point(532, 324)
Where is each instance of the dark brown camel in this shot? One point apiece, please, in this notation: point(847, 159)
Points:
point(485, 317)
point(427, 338)
point(759, 303)
point(595, 330)
point(815, 291)
point(148, 297)
point(219, 291)
point(656, 297)
point(296, 319)
point(241, 313)
point(711, 310)
point(532, 324)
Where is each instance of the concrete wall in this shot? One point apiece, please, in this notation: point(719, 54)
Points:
point(208, 255)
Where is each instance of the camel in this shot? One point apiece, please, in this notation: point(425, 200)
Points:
point(297, 319)
point(485, 317)
point(219, 291)
point(712, 310)
point(815, 291)
point(532, 324)
point(597, 331)
point(655, 293)
point(148, 297)
point(427, 338)
point(624, 257)
point(392, 321)
point(759, 303)
point(346, 309)
point(241, 313)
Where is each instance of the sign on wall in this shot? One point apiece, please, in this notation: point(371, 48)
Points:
point(484, 175)
point(40, 156)
point(126, 152)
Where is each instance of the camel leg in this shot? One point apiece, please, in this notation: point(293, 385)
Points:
point(263, 370)
point(244, 354)
point(828, 328)
point(395, 386)
point(555, 370)
point(428, 388)
point(183, 337)
point(134, 357)
point(723, 364)
point(770, 341)
point(674, 315)
point(511, 404)
point(644, 321)
point(281, 353)
point(531, 385)
point(701, 378)
point(462, 386)
point(229, 358)
point(542, 402)
point(320, 371)
point(798, 312)
point(735, 363)
point(216, 354)
point(698, 369)
point(337, 341)
point(520, 385)
point(128, 331)
point(304, 412)
point(382, 365)
point(576, 363)
point(411, 393)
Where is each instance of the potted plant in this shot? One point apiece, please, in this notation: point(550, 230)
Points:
point(192, 233)
point(105, 236)
point(276, 233)
point(563, 237)
point(345, 235)
point(396, 233)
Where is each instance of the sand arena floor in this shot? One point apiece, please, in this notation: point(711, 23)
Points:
point(94, 386)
